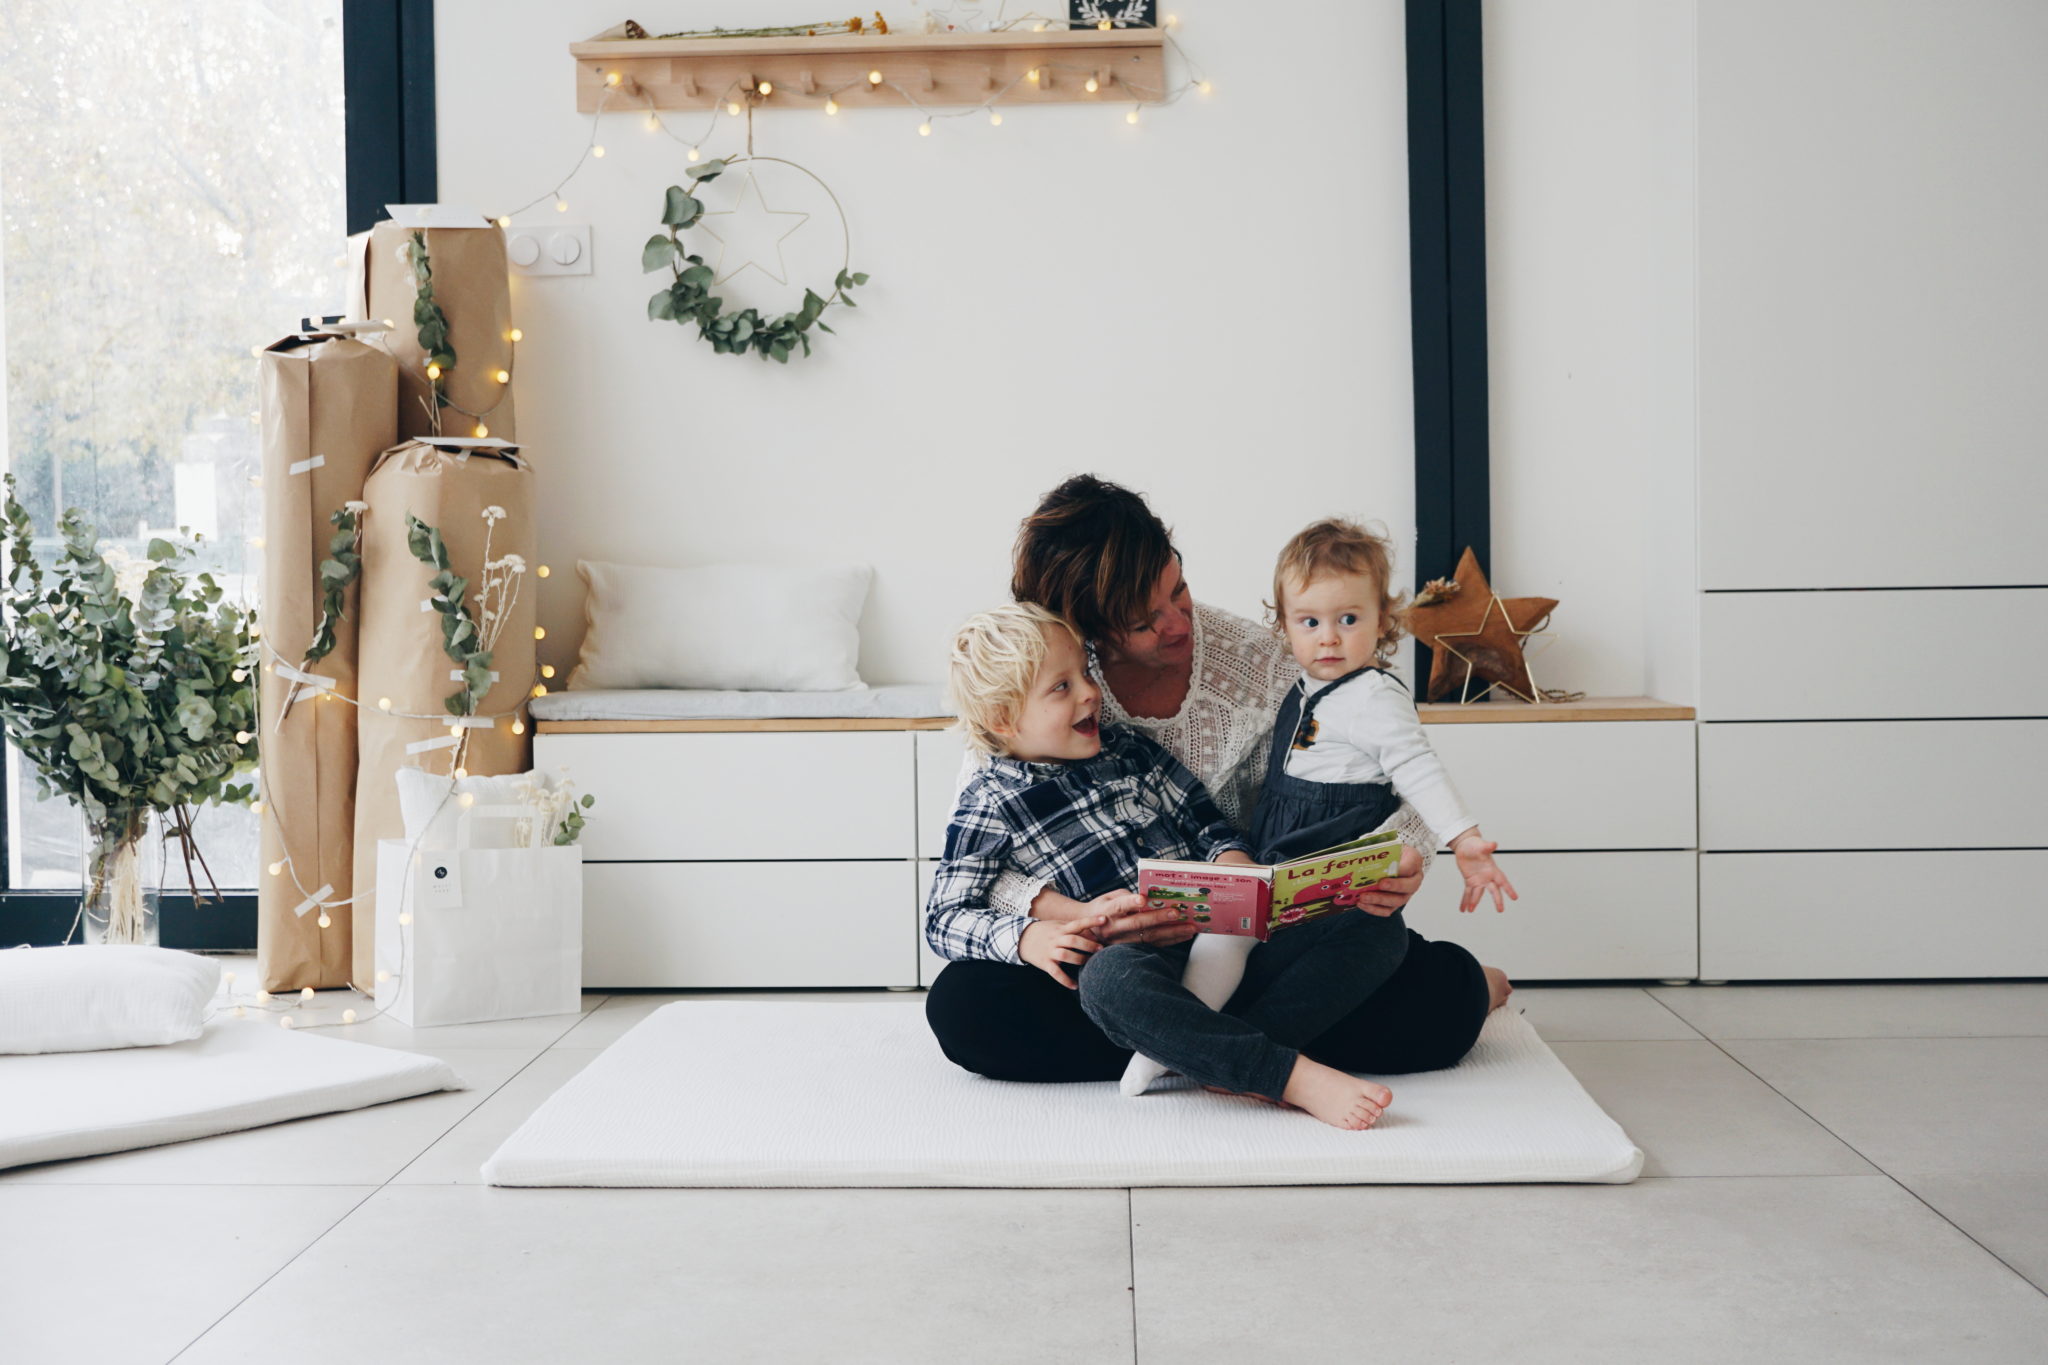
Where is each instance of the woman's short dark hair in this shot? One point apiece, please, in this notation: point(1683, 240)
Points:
point(1093, 552)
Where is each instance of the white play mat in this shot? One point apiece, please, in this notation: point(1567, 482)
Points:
point(239, 1073)
point(822, 1094)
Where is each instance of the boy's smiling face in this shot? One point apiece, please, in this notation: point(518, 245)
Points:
point(1060, 718)
point(1333, 624)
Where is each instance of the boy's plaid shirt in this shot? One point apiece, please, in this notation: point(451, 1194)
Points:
point(1081, 825)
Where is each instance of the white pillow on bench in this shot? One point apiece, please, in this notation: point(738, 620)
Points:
point(751, 627)
point(86, 998)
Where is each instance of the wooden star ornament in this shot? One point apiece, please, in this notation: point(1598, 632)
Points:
point(1475, 634)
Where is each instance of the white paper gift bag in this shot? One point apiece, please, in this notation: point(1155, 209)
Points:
point(494, 933)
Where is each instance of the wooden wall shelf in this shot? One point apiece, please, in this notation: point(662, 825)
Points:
point(1128, 66)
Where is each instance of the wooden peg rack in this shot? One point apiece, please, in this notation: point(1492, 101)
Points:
point(1128, 66)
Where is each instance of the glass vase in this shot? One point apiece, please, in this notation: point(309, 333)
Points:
point(123, 876)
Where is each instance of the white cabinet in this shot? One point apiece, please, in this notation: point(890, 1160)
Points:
point(722, 797)
point(1581, 916)
point(751, 858)
point(940, 754)
point(1575, 784)
point(1843, 916)
point(1869, 278)
point(1874, 655)
point(1874, 626)
point(928, 962)
point(1952, 784)
point(742, 925)
point(747, 858)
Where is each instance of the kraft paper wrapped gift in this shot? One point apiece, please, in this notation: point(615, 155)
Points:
point(471, 285)
point(448, 484)
point(329, 408)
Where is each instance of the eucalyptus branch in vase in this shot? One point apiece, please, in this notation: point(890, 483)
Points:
point(127, 685)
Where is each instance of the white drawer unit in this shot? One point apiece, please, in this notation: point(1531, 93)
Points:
point(751, 857)
point(1874, 655)
point(928, 962)
point(1575, 785)
point(1581, 916)
point(749, 925)
point(1843, 916)
point(736, 796)
point(939, 756)
point(1874, 785)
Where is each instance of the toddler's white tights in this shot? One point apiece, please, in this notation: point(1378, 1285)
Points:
point(1215, 966)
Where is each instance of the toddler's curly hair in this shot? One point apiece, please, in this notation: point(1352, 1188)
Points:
point(1334, 546)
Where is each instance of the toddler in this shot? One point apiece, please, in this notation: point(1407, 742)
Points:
point(1348, 747)
point(1064, 798)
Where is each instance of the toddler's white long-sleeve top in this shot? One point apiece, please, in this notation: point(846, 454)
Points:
point(1368, 731)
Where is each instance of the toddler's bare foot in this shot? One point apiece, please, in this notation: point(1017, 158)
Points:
point(1498, 988)
point(1337, 1099)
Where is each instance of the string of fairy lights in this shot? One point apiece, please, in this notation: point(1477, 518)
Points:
point(740, 100)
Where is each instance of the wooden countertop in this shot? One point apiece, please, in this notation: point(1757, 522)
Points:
point(1433, 713)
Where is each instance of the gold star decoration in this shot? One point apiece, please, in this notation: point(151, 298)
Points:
point(1475, 634)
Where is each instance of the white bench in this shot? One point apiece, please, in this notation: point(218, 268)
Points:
point(794, 851)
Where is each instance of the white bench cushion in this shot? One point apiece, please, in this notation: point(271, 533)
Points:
point(897, 701)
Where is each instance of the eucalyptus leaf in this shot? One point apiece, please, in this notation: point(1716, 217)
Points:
point(659, 253)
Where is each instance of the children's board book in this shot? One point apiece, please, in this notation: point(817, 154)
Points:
point(1255, 901)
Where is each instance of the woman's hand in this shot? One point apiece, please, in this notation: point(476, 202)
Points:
point(1236, 857)
point(1047, 943)
point(1389, 894)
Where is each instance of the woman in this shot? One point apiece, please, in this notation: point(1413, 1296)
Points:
point(1205, 685)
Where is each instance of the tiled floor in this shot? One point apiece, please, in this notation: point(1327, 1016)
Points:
point(1834, 1173)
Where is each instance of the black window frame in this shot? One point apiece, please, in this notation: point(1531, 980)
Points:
point(388, 85)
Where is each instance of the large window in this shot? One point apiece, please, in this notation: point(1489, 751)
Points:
point(171, 199)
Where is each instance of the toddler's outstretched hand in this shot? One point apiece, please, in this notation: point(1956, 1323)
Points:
point(1482, 874)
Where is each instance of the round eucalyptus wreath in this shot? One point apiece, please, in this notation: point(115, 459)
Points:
point(690, 300)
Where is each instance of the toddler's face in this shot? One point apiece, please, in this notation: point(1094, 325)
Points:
point(1332, 623)
point(1060, 719)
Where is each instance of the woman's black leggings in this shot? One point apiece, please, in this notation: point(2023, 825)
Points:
point(1015, 1023)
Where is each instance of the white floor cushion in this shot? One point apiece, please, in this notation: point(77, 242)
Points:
point(239, 1073)
point(814, 1094)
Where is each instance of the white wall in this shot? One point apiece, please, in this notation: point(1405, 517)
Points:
point(1590, 214)
point(1211, 306)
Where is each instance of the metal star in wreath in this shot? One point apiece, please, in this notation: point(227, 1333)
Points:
point(1474, 634)
point(750, 233)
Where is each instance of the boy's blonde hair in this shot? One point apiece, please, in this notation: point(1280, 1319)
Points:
point(995, 656)
point(1334, 546)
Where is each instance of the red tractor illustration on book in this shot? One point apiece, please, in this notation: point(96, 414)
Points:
point(1320, 898)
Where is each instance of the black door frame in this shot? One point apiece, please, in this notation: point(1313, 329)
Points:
point(1447, 288)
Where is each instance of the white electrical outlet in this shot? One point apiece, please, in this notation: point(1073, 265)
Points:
point(551, 250)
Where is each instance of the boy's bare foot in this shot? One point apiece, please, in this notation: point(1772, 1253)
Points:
point(1498, 988)
point(1337, 1099)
